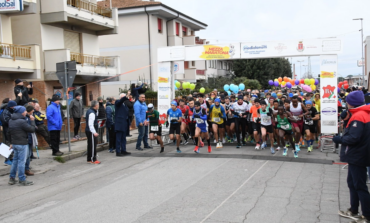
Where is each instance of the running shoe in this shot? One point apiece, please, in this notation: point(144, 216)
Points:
point(310, 149)
point(201, 144)
point(232, 141)
point(8, 162)
point(215, 141)
point(218, 145)
point(275, 143)
point(178, 151)
point(297, 148)
point(185, 142)
point(196, 149)
point(244, 144)
point(249, 138)
point(238, 146)
point(285, 151)
point(209, 149)
point(277, 149)
point(263, 145)
point(295, 154)
point(97, 162)
point(221, 145)
point(258, 146)
point(223, 141)
point(252, 141)
point(229, 141)
point(272, 150)
point(287, 144)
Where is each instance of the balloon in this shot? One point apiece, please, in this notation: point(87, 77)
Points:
point(271, 82)
point(249, 90)
point(338, 90)
point(241, 87)
point(276, 79)
point(266, 91)
point(235, 89)
point(226, 87)
point(176, 88)
point(285, 79)
point(291, 95)
point(177, 84)
point(340, 84)
point(345, 82)
point(308, 89)
point(302, 81)
point(312, 81)
point(346, 86)
point(280, 79)
point(188, 85)
point(313, 87)
point(316, 82)
point(274, 95)
point(276, 84)
point(296, 82)
point(202, 90)
point(229, 93)
point(283, 83)
point(292, 82)
point(192, 86)
point(289, 85)
point(307, 81)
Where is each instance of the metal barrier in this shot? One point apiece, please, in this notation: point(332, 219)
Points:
point(101, 128)
point(165, 137)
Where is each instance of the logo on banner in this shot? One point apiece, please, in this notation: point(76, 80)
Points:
point(300, 47)
point(162, 118)
point(163, 96)
point(8, 4)
point(280, 47)
point(216, 52)
point(163, 107)
point(330, 62)
point(329, 123)
point(329, 92)
point(255, 49)
point(329, 111)
point(176, 67)
point(326, 74)
point(164, 88)
point(163, 80)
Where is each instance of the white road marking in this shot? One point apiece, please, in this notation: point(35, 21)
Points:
point(223, 202)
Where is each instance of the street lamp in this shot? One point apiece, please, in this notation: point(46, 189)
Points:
point(305, 70)
point(362, 48)
point(300, 67)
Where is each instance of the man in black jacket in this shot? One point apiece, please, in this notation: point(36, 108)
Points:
point(18, 136)
point(92, 132)
point(5, 117)
point(25, 91)
point(130, 105)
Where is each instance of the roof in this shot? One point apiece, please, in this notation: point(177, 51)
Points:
point(127, 3)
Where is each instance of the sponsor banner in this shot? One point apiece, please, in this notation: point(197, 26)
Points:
point(290, 48)
point(164, 87)
point(213, 52)
point(329, 93)
point(11, 6)
point(178, 67)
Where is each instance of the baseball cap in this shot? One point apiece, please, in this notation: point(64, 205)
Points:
point(150, 105)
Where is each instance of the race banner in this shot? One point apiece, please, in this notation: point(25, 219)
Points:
point(328, 93)
point(164, 88)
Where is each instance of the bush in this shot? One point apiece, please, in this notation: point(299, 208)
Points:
point(151, 94)
point(252, 84)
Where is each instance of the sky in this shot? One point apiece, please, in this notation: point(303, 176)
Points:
point(271, 20)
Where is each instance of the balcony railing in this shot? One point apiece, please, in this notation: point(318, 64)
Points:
point(15, 51)
point(91, 7)
point(201, 72)
point(92, 60)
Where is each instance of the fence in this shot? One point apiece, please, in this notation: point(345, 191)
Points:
point(91, 7)
point(153, 101)
point(85, 59)
point(15, 51)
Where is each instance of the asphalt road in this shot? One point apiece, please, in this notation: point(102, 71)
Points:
point(228, 185)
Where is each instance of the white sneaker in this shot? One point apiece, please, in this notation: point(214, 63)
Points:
point(258, 147)
point(221, 146)
point(215, 141)
point(223, 140)
point(277, 149)
point(218, 145)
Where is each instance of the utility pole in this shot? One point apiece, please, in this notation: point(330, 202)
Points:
point(362, 49)
point(300, 67)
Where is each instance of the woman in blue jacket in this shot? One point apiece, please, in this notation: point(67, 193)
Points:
point(55, 123)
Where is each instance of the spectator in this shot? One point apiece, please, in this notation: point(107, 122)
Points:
point(140, 109)
point(356, 138)
point(121, 125)
point(18, 136)
point(2, 108)
point(54, 124)
point(29, 110)
point(25, 91)
point(76, 111)
point(130, 105)
point(135, 89)
point(41, 128)
point(31, 102)
point(110, 110)
point(92, 132)
point(101, 111)
point(5, 117)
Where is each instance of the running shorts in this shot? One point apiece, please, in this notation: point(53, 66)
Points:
point(268, 128)
point(175, 127)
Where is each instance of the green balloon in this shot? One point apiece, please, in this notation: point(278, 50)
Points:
point(178, 84)
point(192, 86)
point(202, 90)
point(307, 81)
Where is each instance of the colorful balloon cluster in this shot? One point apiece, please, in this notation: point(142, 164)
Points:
point(343, 84)
point(234, 88)
point(185, 85)
point(307, 84)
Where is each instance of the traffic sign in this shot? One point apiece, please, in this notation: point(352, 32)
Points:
point(66, 70)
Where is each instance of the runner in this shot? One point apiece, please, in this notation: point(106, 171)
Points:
point(230, 121)
point(200, 116)
point(298, 110)
point(240, 111)
point(218, 115)
point(250, 121)
point(276, 130)
point(155, 128)
point(256, 125)
point(185, 120)
point(174, 116)
point(284, 119)
point(191, 120)
point(266, 115)
point(310, 124)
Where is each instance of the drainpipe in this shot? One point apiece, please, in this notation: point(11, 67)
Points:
point(178, 15)
point(150, 50)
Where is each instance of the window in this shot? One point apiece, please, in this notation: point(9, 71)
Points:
point(177, 29)
point(186, 64)
point(159, 25)
point(210, 64)
point(193, 63)
point(184, 31)
point(192, 33)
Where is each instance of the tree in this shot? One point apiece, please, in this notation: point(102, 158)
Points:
point(262, 70)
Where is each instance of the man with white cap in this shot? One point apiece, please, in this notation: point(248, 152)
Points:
point(155, 127)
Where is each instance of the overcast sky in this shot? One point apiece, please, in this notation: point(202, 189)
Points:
point(269, 20)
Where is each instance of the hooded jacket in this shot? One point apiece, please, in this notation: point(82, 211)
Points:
point(54, 117)
point(76, 109)
point(5, 116)
point(25, 92)
point(19, 129)
point(356, 136)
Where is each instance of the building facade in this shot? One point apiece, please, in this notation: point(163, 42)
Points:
point(57, 31)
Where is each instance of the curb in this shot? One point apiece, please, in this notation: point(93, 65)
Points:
point(74, 155)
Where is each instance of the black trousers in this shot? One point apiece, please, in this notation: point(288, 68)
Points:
point(43, 131)
point(77, 122)
point(358, 190)
point(92, 141)
point(112, 138)
point(243, 123)
point(130, 118)
point(55, 140)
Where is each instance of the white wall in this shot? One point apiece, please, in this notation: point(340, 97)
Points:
point(52, 37)
point(48, 6)
point(90, 44)
point(6, 29)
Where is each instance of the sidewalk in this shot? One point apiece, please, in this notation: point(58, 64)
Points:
point(78, 148)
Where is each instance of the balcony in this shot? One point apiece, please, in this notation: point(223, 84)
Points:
point(20, 59)
point(29, 7)
point(81, 14)
point(87, 65)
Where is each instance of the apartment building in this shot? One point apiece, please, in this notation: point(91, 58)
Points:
point(64, 30)
point(144, 26)
point(217, 68)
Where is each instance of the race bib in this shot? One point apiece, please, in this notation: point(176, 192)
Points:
point(285, 127)
point(275, 119)
point(191, 118)
point(309, 122)
point(199, 121)
point(266, 119)
point(297, 118)
point(216, 119)
point(154, 128)
point(174, 118)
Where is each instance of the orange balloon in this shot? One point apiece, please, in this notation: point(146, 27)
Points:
point(292, 82)
point(285, 79)
point(280, 79)
point(302, 81)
